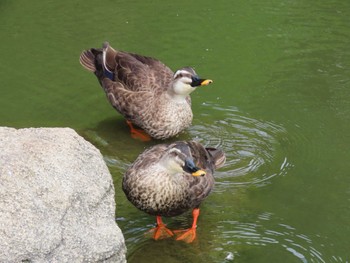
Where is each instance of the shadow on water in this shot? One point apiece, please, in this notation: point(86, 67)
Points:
point(112, 137)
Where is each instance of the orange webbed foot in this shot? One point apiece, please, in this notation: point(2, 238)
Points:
point(138, 133)
point(186, 235)
point(161, 231)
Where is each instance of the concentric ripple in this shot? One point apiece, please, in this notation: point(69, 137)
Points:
point(271, 233)
point(254, 148)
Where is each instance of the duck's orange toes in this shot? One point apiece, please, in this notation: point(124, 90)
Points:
point(186, 235)
point(138, 133)
point(161, 231)
point(189, 234)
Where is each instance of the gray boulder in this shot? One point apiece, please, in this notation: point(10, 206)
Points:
point(56, 199)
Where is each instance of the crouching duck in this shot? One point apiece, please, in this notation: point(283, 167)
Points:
point(169, 179)
point(144, 90)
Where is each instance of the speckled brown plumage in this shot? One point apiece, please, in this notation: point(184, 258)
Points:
point(153, 187)
point(141, 90)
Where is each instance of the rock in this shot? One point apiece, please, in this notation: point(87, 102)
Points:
point(56, 199)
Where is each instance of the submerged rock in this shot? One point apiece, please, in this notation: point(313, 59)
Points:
point(56, 199)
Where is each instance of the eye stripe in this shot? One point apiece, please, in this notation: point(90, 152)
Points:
point(181, 74)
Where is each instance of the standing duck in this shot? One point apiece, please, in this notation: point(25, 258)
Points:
point(144, 90)
point(169, 179)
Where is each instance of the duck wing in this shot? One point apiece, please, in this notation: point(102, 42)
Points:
point(201, 156)
point(141, 73)
point(135, 72)
point(130, 81)
point(217, 155)
point(128, 102)
point(207, 157)
point(200, 186)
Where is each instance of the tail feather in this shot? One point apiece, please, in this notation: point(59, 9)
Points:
point(218, 155)
point(87, 60)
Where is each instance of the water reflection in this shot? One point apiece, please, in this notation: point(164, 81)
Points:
point(254, 148)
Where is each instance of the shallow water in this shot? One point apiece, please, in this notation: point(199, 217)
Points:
point(279, 107)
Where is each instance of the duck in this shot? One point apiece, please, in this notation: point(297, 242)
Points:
point(166, 180)
point(147, 93)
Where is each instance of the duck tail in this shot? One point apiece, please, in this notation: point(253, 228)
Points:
point(218, 156)
point(99, 60)
point(87, 60)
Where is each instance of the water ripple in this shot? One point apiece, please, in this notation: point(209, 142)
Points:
point(264, 234)
point(254, 148)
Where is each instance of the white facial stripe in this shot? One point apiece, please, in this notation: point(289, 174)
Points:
point(183, 73)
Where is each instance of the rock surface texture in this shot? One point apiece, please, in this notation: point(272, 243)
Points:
point(56, 199)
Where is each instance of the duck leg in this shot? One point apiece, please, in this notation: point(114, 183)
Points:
point(161, 231)
point(138, 133)
point(188, 235)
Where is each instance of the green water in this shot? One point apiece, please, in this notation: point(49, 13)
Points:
point(279, 106)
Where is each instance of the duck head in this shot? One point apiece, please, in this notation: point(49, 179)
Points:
point(186, 81)
point(177, 161)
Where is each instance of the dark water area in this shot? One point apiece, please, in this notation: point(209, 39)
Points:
point(279, 107)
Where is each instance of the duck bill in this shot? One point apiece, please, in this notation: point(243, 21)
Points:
point(206, 82)
point(192, 168)
point(199, 173)
point(200, 82)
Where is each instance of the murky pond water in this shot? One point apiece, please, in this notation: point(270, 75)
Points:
point(279, 107)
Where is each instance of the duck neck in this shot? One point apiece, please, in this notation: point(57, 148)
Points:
point(177, 97)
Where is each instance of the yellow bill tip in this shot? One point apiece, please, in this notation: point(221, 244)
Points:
point(199, 173)
point(206, 82)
